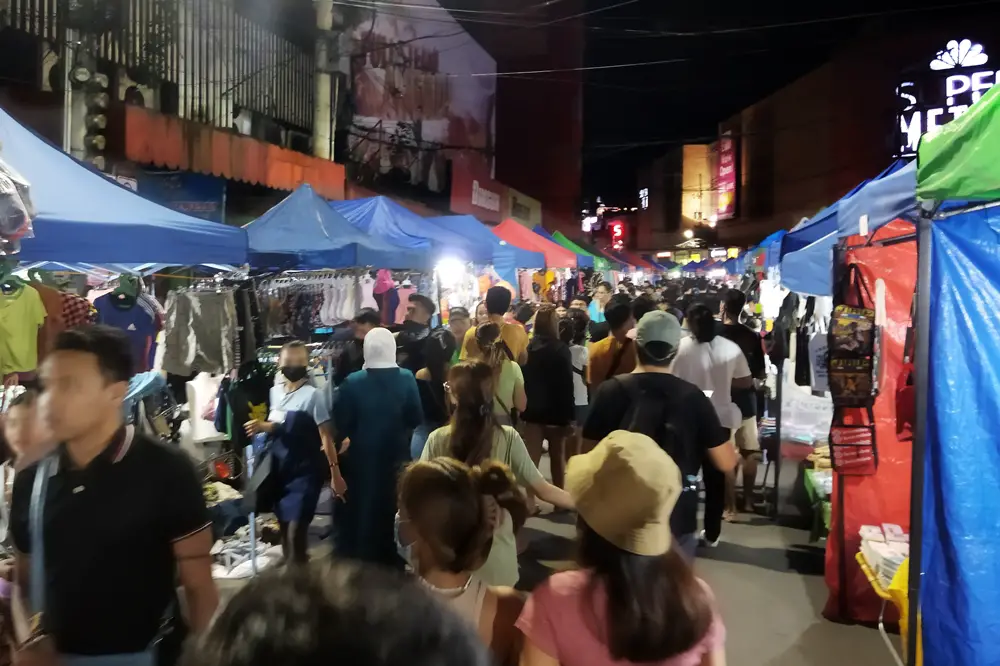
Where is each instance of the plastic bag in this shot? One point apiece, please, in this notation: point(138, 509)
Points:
point(16, 209)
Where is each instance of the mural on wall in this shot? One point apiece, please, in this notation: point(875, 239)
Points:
point(423, 94)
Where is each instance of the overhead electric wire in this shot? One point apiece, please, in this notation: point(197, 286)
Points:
point(588, 13)
point(795, 24)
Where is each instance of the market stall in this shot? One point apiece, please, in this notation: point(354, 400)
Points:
point(83, 216)
point(955, 475)
point(601, 264)
point(583, 259)
point(506, 259)
point(517, 234)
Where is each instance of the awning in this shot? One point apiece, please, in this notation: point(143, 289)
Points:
point(879, 202)
point(175, 143)
point(810, 270)
point(83, 216)
point(583, 259)
point(506, 259)
point(960, 161)
point(600, 263)
point(556, 256)
point(304, 232)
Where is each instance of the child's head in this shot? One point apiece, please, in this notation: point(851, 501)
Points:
point(20, 422)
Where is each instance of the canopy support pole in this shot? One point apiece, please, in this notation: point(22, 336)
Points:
point(922, 364)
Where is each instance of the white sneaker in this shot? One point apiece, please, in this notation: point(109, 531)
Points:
point(702, 541)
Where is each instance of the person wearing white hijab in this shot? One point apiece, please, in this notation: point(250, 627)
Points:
point(377, 410)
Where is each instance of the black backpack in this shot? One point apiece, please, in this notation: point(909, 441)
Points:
point(647, 414)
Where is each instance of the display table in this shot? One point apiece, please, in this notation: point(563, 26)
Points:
point(896, 594)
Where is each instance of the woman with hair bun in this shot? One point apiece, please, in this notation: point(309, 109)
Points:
point(475, 436)
point(447, 512)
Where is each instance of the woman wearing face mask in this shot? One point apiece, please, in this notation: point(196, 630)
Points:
point(298, 429)
point(475, 436)
point(377, 409)
point(446, 514)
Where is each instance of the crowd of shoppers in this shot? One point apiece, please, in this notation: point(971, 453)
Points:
point(431, 442)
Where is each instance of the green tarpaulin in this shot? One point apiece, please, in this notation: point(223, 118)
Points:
point(962, 161)
point(600, 263)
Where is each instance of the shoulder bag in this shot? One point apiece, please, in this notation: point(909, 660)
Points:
point(617, 360)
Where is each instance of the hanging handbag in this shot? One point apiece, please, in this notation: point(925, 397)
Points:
point(906, 390)
point(262, 490)
point(853, 451)
point(803, 366)
point(853, 347)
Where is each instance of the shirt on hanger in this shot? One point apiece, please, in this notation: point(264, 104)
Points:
point(404, 294)
point(140, 323)
point(21, 315)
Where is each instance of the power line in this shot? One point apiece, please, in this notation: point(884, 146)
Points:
point(588, 13)
point(794, 24)
point(376, 4)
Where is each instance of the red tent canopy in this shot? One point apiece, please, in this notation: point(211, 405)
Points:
point(556, 256)
point(635, 260)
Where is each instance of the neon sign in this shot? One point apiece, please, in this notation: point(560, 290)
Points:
point(958, 77)
point(644, 198)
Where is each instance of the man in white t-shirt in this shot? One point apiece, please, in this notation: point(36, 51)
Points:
point(715, 364)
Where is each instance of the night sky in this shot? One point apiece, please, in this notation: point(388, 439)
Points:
point(729, 62)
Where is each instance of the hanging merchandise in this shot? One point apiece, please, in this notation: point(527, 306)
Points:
point(22, 315)
point(202, 333)
point(16, 210)
point(131, 310)
point(853, 347)
point(242, 399)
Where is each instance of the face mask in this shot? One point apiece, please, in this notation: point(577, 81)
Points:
point(294, 373)
point(405, 552)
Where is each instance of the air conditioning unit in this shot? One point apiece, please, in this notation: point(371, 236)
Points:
point(298, 141)
point(131, 92)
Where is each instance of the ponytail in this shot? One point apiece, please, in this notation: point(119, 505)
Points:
point(701, 322)
point(472, 421)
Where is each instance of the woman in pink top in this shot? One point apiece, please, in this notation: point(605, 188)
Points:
point(634, 600)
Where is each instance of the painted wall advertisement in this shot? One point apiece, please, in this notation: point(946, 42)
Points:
point(522, 208)
point(725, 177)
point(424, 93)
point(474, 193)
point(195, 194)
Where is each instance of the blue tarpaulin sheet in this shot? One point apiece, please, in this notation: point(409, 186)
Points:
point(961, 580)
point(507, 258)
point(83, 216)
point(304, 232)
point(384, 218)
point(882, 201)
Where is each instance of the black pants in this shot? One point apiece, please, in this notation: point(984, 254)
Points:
point(715, 500)
point(295, 542)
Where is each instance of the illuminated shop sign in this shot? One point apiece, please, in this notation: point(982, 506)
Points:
point(644, 198)
point(958, 76)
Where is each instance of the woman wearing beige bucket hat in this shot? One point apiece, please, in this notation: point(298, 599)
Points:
point(635, 599)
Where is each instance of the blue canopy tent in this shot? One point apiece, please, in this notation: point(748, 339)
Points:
point(823, 223)
point(506, 258)
point(304, 232)
point(880, 202)
point(810, 270)
point(384, 218)
point(83, 216)
point(582, 260)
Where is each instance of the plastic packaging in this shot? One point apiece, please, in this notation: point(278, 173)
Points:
point(16, 209)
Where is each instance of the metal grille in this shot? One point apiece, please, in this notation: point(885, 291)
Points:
point(217, 58)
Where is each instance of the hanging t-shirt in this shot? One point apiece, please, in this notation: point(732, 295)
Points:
point(139, 321)
point(21, 315)
point(404, 302)
point(368, 293)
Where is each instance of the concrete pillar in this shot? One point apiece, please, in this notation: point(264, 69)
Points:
point(324, 108)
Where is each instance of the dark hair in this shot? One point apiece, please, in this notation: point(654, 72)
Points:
point(577, 321)
point(617, 312)
point(498, 300)
point(472, 421)
point(368, 316)
point(656, 608)
point(491, 346)
point(524, 312)
point(580, 297)
point(424, 302)
point(438, 352)
point(606, 285)
point(701, 322)
point(734, 301)
point(458, 313)
point(294, 344)
point(26, 399)
point(641, 306)
point(336, 613)
point(547, 322)
point(444, 499)
point(110, 345)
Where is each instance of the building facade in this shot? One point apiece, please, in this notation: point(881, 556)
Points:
point(805, 146)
